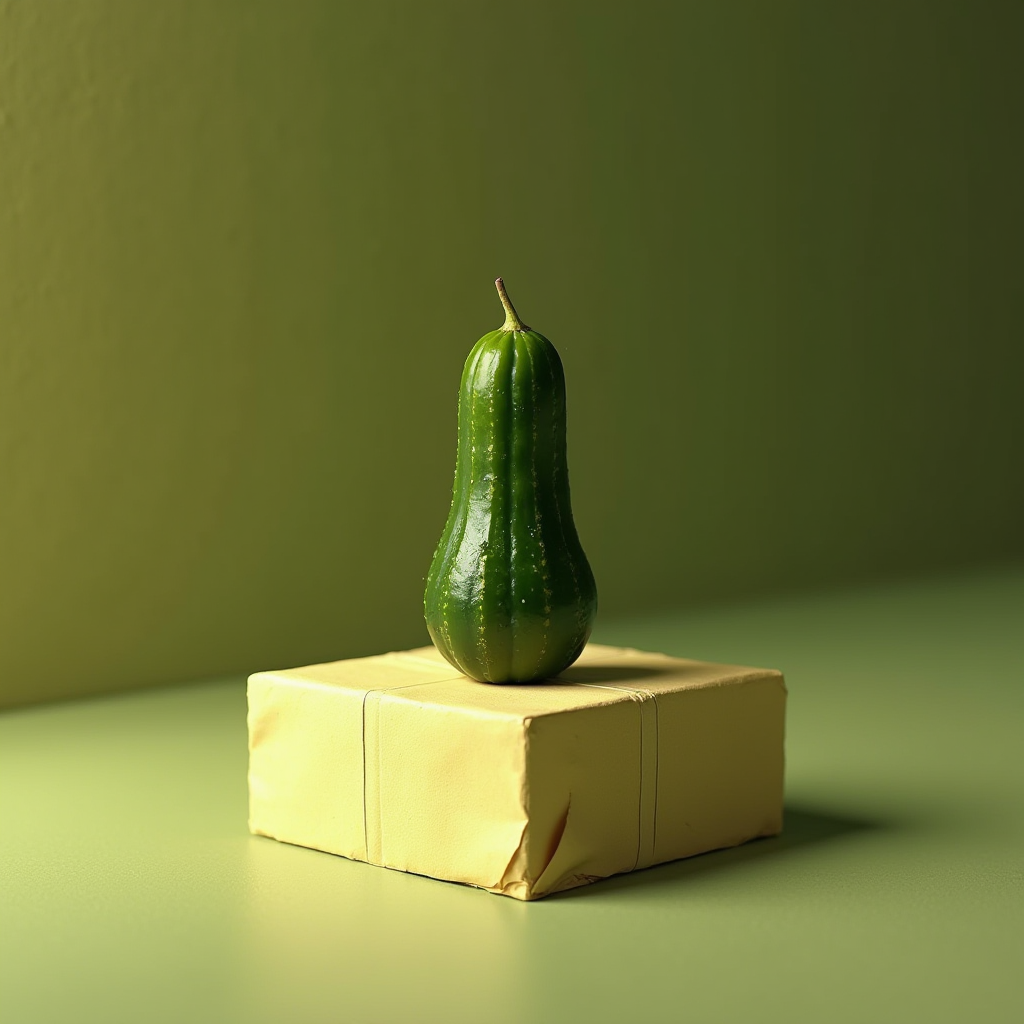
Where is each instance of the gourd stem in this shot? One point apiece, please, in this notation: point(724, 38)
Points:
point(512, 321)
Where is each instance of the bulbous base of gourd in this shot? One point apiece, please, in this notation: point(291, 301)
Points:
point(530, 656)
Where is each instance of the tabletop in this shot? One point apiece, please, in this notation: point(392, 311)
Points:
point(132, 890)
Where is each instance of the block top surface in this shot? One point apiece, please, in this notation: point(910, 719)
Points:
point(602, 675)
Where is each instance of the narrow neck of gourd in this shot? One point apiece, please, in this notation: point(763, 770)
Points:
point(512, 321)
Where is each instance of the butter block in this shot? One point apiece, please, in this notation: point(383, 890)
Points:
point(626, 760)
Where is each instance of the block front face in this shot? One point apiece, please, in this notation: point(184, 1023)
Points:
point(451, 790)
point(584, 771)
point(720, 766)
point(306, 764)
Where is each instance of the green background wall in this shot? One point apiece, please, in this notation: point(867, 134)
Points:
point(245, 248)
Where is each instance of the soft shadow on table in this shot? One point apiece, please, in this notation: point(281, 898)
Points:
point(802, 827)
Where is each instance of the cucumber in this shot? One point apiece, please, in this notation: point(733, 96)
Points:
point(510, 595)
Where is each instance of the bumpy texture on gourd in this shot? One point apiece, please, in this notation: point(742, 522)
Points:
point(510, 595)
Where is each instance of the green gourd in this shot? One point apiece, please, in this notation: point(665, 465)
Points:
point(510, 596)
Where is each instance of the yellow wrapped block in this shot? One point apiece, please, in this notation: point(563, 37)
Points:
point(629, 759)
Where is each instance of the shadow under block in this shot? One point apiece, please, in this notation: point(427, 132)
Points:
point(628, 759)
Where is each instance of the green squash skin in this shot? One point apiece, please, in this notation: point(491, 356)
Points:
point(510, 596)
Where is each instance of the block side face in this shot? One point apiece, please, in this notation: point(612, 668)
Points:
point(451, 791)
point(721, 765)
point(583, 796)
point(305, 765)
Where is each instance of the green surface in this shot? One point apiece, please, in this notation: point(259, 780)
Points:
point(245, 248)
point(132, 891)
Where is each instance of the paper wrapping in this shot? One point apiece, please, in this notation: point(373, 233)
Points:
point(628, 759)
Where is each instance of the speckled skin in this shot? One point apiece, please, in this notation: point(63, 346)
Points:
point(510, 596)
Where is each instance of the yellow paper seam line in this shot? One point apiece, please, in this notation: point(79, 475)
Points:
point(373, 798)
point(647, 797)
